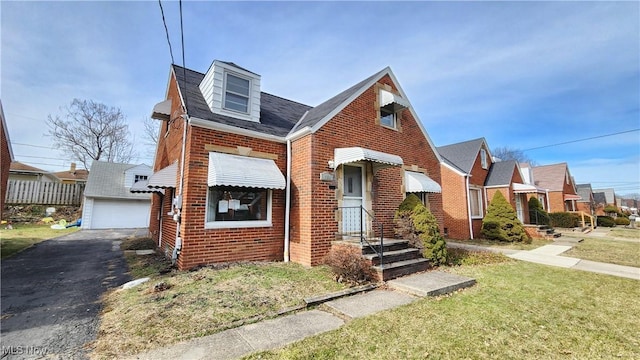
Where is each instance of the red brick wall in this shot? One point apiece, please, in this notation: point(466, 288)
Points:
point(5, 158)
point(454, 204)
point(556, 201)
point(205, 246)
point(355, 125)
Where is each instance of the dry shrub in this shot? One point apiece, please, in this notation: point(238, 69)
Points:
point(348, 265)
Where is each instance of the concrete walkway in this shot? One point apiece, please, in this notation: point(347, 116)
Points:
point(281, 331)
point(550, 255)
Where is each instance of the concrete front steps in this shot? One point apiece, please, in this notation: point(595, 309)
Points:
point(398, 258)
point(542, 231)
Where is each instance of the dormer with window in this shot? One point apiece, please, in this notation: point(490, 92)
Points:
point(390, 107)
point(232, 91)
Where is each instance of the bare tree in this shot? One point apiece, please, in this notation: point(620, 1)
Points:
point(151, 131)
point(508, 153)
point(92, 131)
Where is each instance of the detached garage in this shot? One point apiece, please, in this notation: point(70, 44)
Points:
point(108, 201)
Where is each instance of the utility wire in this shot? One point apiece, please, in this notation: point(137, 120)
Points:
point(573, 141)
point(38, 146)
point(184, 66)
point(166, 30)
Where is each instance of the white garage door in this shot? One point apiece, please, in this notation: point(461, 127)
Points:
point(110, 214)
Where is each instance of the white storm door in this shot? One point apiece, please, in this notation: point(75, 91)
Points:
point(519, 209)
point(352, 199)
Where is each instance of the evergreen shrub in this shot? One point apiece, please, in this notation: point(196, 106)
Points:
point(537, 215)
point(606, 221)
point(563, 219)
point(417, 224)
point(501, 222)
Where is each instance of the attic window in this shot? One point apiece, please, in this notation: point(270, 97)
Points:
point(483, 158)
point(236, 95)
point(140, 178)
point(390, 105)
point(388, 117)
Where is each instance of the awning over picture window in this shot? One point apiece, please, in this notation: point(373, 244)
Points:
point(243, 171)
point(524, 188)
point(140, 187)
point(571, 197)
point(164, 178)
point(390, 99)
point(419, 182)
point(343, 156)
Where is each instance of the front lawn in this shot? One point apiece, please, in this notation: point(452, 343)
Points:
point(607, 251)
point(619, 231)
point(23, 236)
point(517, 310)
point(184, 305)
point(535, 243)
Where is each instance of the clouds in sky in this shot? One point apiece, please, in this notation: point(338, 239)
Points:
point(521, 74)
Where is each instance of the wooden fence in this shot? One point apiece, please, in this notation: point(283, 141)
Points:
point(43, 193)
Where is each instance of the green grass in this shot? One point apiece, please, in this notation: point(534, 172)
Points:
point(24, 236)
point(626, 233)
point(517, 310)
point(203, 302)
point(607, 251)
point(535, 243)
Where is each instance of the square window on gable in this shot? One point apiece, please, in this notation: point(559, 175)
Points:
point(390, 106)
point(236, 93)
point(388, 117)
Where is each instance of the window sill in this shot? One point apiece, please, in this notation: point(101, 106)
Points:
point(477, 217)
point(389, 127)
point(237, 224)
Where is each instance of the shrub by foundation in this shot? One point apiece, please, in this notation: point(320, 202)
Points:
point(563, 220)
point(348, 265)
point(622, 221)
point(537, 215)
point(417, 224)
point(501, 222)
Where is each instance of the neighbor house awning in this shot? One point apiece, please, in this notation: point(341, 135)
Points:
point(390, 99)
point(140, 187)
point(162, 110)
point(164, 178)
point(419, 182)
point(343, 156)
point(243, 171)
point(524, 188)
point(571, 197)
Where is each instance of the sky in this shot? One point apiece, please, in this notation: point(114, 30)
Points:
point(527, 75)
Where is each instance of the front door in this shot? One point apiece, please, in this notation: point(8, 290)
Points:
point(519, 208)
point(352, 199)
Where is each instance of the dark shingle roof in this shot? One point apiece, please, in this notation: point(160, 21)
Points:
point(319, 112)
point(500, 173)
point(584, 191)
point(463, 155)
point(277, 115)
point(599, 198)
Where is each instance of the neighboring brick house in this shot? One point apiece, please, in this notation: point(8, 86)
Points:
point(604, 198)
point(268, 179)
point(22, 171)
point(586, 202)
point(6, 157)
point(506, 177)
point(465, 168)
point(561, 190)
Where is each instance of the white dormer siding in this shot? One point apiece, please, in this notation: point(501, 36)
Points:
point(139, 171)
point(223, 88)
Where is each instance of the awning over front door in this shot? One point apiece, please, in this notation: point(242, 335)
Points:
point(419, 182)
point(244, 171)
point(571, 197)
point(349, 155)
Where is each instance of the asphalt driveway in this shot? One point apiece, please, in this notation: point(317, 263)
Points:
point(51, 293)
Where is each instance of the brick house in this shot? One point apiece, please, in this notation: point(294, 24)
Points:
point(6, 157)
point(561, 189)
point(465, 167)
point(506, 177)
point(246, 175)
point(587, 202)
point(604, 198)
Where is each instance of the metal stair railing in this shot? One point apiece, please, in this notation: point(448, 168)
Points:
point(362, 214)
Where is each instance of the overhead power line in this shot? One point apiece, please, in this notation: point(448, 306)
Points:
point(574, 141)
point(38, 146)
point(166, 30)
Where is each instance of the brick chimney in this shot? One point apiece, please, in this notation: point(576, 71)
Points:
point(73, 168)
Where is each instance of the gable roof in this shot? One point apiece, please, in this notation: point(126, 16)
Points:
point(501, 173)
point(17, 166)
point(277, 115)
point(599, 197)
point(584, 191)
point(463, 154)
point(106, 180)
point(609, 193)
point(77, 175)
point(552, 177)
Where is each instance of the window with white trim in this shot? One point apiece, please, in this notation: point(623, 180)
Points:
point(236, 95)
point(475, 197)
point(388, 117)
point(483, 158)
point(137, 178)
point(232, 206)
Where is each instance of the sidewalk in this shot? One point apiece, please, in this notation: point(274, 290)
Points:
point(281, 331)
point(550, 255)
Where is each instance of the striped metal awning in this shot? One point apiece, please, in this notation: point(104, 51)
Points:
point(419, 182)
point(343, 156)
point(165, 177)
point(244, 171)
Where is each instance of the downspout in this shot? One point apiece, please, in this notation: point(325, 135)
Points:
point(469, 208)
point(548, 202)
point(178, 198)
point(287, 206)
